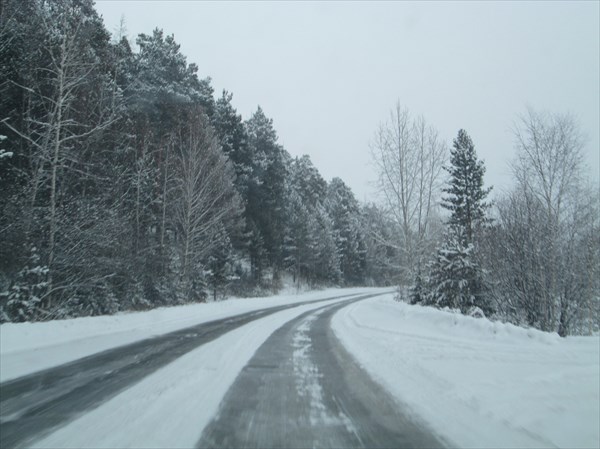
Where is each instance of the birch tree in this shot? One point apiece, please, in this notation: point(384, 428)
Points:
point(206, 198)
point(69, 101)
point(409, 156)
point(544, 256)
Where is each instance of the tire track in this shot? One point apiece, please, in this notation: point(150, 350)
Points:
point(302, 389)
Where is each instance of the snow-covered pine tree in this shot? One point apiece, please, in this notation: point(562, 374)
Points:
point(310, 249)
point(232, 136)
point(466, 200)
point(455, 276)
point(22, 301)
point(344, 210)
point(326, 266)
point(417, 291)
point(265, 208)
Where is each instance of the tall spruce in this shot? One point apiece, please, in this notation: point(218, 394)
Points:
point(466, 200)
point(265, 208)
point(455, 276)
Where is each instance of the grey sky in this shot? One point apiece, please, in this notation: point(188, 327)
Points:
point(328, 73)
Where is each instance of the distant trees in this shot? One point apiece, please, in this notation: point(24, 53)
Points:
point(125, 184)
point(409, 156)
point(537, 262)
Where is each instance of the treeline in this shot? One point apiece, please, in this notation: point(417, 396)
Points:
point(531, 257)
point(126, 184)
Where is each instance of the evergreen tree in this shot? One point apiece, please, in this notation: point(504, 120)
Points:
point(310, 246)
point(456, 278)
point(266, 194)
point(326, 258)
point(345, 213)
point(163, 79)
point(417, 290)
point(466, 193)
point(232, 135)
point(298, 242)
point(381, 254)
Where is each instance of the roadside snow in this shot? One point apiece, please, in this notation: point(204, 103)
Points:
point(171, 407)
point(476, 382)
point(29, 347)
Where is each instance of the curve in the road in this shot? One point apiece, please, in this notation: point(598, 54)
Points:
point(34, 405)
point(302, 389)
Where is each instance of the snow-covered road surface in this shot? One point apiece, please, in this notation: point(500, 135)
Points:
point(338, 372)
point(30, 347)
point(34, 405)
point(301, 389)
point(476, 382)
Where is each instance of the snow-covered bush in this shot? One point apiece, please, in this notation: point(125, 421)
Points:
point(21, 302)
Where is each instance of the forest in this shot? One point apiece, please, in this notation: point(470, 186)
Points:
point(127, 183)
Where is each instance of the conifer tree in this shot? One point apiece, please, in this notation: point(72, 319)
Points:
point(455, 276)
point(265, 208)
point(466, 200)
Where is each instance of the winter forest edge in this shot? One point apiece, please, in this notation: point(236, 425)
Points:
point(127, 184)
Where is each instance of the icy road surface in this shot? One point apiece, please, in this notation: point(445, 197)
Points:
point(301, 389)
point(341, 368)
point(163, 392)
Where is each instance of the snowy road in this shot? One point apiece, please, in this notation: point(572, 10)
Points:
point(274, 377)
point(302, 389)
point(32, 406)
point(342, 368)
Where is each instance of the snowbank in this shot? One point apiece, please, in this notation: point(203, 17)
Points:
point(479, 383)
point(30, 347)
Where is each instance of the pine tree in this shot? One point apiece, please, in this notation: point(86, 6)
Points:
point(232, 135)
point(455, 278)
point(349, 238)
point(466, 193)
point(310, 252)
point(265, 209)
point(417, 290)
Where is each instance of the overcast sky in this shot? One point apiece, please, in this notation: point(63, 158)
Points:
point(329, 73)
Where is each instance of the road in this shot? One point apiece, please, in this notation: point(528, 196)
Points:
point(300, 389)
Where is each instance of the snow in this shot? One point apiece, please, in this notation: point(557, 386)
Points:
point(307, 379)
point(479, 383)
point(171, 407)
point(29, 347)
point(476, 383)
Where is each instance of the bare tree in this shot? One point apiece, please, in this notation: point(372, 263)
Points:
point(409, 156)
point(206, 200)
point(549, 157)
point(544, 224)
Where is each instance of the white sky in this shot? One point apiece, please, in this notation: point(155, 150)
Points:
point(329, 73)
